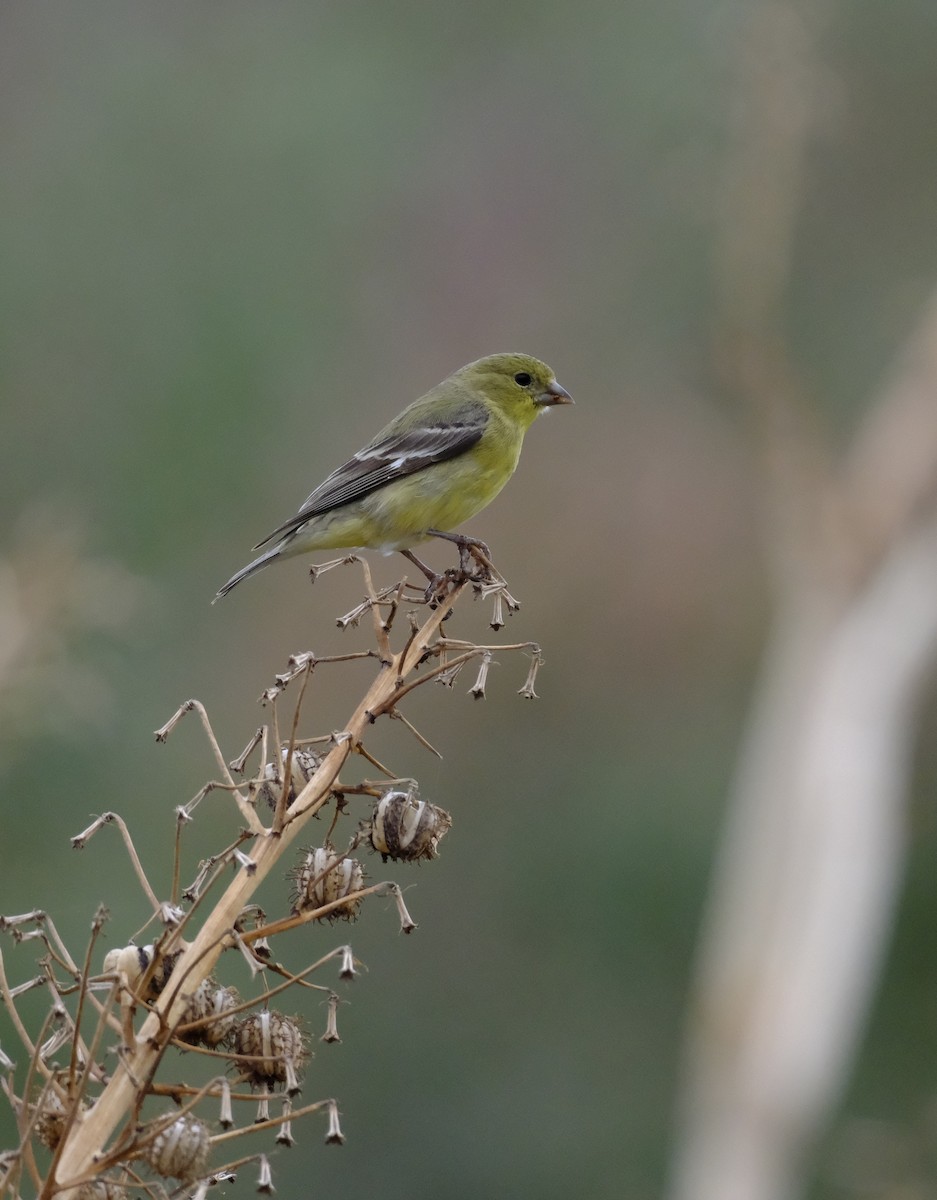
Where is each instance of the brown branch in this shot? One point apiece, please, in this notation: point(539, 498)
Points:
point(87, 1140)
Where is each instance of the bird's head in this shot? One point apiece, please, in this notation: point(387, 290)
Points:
point(522, 386)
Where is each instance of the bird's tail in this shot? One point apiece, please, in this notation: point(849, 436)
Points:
point(252, 567)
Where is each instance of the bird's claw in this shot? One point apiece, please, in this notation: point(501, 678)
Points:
point(440, 587)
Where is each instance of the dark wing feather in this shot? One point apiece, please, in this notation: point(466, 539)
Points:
point(389, 458)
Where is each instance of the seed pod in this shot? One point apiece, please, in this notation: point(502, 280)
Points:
point(132, 963)
point(102, 1189)
point(303, 765)
point(50, 1124)
point(181, 1150)
point(324, 876)
point(129, 962)
point(405, 827)
point(210, 999)
point(274, 1048)
point(164, 969)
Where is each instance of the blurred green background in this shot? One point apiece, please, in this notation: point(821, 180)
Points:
point(236, 239)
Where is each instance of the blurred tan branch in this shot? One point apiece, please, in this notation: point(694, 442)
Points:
point(812, 858)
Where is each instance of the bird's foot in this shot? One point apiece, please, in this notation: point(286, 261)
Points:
point(475, 565)
point(437, 586)
point(440, 587)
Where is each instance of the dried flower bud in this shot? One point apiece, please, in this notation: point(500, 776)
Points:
point(225, 1112)
point(210, 999)
point(334, 1135)
point(331, 1027)
point(405, 827)
point(303, 765)
point(180, 1150)
point(274, 1047)
point(325, 876)
point(285, 1132)
point(265, 1177)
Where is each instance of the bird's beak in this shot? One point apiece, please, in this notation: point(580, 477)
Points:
point(554, 394)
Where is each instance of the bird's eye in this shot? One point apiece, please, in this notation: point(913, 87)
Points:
point(522, 378)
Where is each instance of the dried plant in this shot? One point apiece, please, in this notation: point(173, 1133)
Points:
point(102, 1051)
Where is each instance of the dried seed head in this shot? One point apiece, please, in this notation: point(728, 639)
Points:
point(303, 765)
point(405, 827)
point(325, 876)
point(164, 969)
point(210, 999)
point(181, 1150)
point(50, 1124)
point(274, 1047)
point(101, 1189)
point(129, 962)
point(132, 962)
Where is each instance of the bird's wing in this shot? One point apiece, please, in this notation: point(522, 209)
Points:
point(389, 457)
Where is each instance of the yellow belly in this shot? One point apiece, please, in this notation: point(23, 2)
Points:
point(398, 515)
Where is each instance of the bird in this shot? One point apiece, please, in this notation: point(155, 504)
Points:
point(439, 462)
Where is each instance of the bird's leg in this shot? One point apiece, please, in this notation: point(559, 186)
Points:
point(437, 585)
point(427, 571)
point(469, 548)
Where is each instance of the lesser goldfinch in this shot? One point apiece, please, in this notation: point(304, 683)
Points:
point(438, 463)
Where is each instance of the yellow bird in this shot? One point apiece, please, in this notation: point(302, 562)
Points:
point(443, 459)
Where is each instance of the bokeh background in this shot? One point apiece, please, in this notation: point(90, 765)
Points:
point(236, 239)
